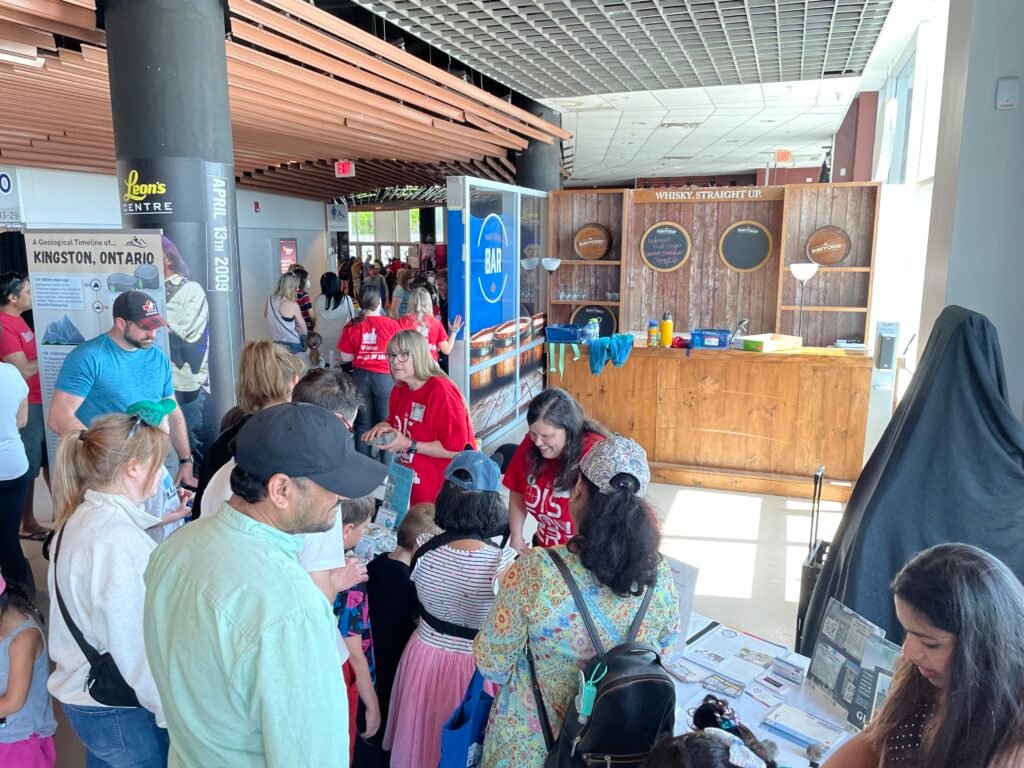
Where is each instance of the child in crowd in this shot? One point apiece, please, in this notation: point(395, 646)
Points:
point(394, 608)
point(353, 612)
point(26, 709)
point(312, 358)
point(718, 741)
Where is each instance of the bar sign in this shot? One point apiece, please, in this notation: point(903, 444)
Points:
point(344, 169)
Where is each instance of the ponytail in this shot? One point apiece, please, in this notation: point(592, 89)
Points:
point(369, 300)
point(95, 457)
point(618, 540)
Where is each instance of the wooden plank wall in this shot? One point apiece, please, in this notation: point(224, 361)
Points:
point(571, 210)
point(704, 292)
point(759, 414)
point(853, 207)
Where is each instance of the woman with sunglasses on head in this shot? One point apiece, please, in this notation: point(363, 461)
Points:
point(102, 478)
point(956, 700)
point(428, 421)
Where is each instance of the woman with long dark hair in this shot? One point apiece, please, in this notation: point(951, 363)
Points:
point(334, 310)
point(614, 559)
point(364, 343)
point(956, 700)
point(543, 469)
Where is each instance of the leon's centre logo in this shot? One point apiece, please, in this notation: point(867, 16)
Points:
point(138, 196)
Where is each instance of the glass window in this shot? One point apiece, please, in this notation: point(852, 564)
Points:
point(414, 224)
point(901, 139)
point(439, 223)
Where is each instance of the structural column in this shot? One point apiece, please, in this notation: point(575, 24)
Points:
point(539, 165)
point(175, 162)
point(974, 242)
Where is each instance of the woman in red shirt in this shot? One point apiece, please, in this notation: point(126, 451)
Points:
point(422, 319)
point(363, 343)
point(543, 469)
point(428, 421)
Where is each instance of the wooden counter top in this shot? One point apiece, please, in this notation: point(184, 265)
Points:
point(831, 356)
point(748, 421)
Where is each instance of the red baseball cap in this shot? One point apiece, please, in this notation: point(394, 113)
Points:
point(137, 307)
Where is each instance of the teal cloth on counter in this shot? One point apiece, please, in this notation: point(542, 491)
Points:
point(615, 348)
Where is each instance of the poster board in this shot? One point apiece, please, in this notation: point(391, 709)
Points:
point(76, 276)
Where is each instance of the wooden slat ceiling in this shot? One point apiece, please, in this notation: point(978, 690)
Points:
point(305, 88)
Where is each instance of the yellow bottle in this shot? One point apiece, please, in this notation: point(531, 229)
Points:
point(665, 329)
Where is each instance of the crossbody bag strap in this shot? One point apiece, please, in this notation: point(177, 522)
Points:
point(90, 653)
point(542, 713)
point(577, 596)
point(634, 628)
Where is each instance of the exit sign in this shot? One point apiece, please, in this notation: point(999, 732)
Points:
point(344, 168)
point(783, 155)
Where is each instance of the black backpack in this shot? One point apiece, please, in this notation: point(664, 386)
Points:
point(634, 698)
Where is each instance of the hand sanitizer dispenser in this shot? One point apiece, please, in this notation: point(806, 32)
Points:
point(883, 383)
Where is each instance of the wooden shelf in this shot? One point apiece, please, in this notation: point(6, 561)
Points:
point(844, 269)
point(824, 309)
point(582, 302)
point(595, 263)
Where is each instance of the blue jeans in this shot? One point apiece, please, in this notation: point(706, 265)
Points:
point(376, 391)
point(117, 737)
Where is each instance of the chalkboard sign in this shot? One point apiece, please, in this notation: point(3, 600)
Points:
point(665, 246)
point(604, 315)
point(745, 246)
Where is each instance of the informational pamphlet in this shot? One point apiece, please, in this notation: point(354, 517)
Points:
point(873, 680)
point(685, 578)
point(838, 656)
point(397, 490)
point(734, 655)
point(803, 728)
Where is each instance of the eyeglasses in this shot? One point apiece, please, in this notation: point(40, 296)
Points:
point(402, 357)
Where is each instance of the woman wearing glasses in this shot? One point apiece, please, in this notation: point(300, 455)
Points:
point(428, 421)
point(102, 477)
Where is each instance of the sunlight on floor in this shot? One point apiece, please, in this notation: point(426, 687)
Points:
point(726, 567)
point(701, 514)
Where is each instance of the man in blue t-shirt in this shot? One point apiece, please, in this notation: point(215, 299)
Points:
point(109, 373)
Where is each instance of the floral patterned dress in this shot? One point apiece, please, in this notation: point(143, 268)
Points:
point(535, 603)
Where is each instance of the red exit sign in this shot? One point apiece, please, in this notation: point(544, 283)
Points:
point(783, 156)
point(344, 168)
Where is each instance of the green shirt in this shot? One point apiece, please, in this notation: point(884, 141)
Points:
point(241, 645)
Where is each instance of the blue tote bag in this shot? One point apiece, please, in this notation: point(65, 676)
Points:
point(462, 737)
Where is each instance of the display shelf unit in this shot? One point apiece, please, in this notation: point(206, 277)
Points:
point(570, 210)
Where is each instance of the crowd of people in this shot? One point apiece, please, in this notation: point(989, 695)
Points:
point(234, 627)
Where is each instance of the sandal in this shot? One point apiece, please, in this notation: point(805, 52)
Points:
point(35, 535)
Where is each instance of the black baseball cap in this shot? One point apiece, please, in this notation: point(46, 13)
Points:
point(305, 440)
point(139, 308)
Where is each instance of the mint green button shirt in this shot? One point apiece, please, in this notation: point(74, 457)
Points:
point(241, 645)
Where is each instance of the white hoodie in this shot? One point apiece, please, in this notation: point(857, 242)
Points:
point(103, 555)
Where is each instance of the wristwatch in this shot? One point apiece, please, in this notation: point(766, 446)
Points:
point(412, 448)
point(190, 459)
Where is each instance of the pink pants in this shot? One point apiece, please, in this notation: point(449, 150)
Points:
point(33, 752)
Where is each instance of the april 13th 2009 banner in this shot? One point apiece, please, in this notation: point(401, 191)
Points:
point(76, 276)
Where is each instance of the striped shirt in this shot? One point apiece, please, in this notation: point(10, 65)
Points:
point(458, 586)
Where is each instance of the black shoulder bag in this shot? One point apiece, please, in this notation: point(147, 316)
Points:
point(104, 683)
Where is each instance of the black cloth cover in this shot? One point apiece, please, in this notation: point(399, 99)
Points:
point(949, 467)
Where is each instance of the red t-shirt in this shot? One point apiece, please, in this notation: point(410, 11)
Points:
point(16, 336)
point(368, 341)
point(435, 331)
point(550, 507)
point(435, 411)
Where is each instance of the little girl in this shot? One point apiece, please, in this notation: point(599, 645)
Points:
point(312, 357)
point(26, 733)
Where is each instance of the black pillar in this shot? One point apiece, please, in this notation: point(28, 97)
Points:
point(175, 162)
point(539, 165)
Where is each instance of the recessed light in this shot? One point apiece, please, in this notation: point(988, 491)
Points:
point(680, 126)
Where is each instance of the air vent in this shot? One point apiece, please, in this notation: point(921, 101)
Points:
point(680, 126)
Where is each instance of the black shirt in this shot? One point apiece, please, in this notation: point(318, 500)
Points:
point(220, 453)
point(393, 612)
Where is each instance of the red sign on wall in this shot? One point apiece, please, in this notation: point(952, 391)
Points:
point(783, 155)
point(344, 169)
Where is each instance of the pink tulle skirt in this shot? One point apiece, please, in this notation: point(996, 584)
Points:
point(429, 685)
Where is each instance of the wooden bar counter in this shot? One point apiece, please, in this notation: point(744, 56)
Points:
point(734, 420)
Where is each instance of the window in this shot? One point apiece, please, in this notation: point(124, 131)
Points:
point(901, 139)
point(361, 226)
point(414, 224)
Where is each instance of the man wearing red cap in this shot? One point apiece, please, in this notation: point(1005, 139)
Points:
point(120, 367)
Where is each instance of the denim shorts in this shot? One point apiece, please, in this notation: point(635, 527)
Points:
point(33, 435)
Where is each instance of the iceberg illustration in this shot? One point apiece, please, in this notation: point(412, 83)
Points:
point(63, 332)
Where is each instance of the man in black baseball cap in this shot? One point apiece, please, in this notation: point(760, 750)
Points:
point(138, 308)
point(241, 643)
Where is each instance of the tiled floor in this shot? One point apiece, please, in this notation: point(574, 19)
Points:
point(748, 549)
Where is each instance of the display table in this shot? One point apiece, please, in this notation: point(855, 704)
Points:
point(733, 420)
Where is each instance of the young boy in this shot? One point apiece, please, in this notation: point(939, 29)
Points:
point(353, 612)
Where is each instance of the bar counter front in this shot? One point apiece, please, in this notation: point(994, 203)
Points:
point(735, 420)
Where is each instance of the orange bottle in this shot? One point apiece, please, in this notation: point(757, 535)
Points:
point(665, 329)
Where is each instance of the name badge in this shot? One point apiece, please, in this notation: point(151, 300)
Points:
point(418, 411)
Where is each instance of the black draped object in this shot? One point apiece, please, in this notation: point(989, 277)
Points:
point(949, 467)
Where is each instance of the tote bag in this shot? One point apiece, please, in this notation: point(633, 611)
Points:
point(462, 737)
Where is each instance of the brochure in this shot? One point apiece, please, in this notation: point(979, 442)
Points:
point(804, 729)
point(735, 655)
point(874, 680)
point(838, 655)
point(397, 490)
point(685, 578)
